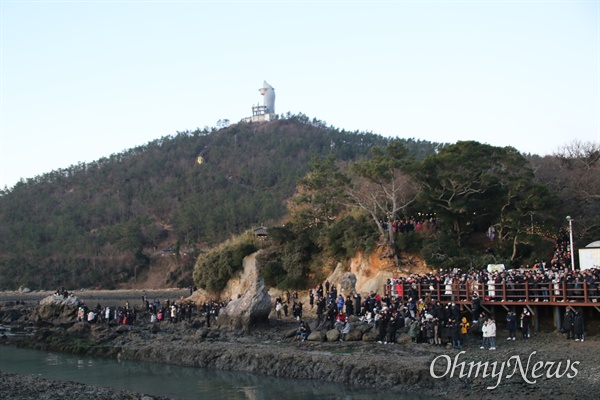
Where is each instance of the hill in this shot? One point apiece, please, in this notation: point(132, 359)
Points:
point(108, 223)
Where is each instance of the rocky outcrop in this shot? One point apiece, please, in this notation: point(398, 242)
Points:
point(56, 309)
point(344, 280)
point(252, 304)
point(357, 330)
point(11, 313)
point(33, 387)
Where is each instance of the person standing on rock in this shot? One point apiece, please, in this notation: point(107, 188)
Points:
point(358, 303)
point(311, 299)
point(382, 326)
point(331, 314)
point(392, 328)
point(349, 306)
point(278, 308)
point(340, 303)
point(320, 309)
point(414, 329)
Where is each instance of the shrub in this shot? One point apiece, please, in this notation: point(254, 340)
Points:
point(214, 268)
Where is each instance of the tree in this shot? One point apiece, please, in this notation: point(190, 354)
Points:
point(319, 193)
point(457, 184)
point(471, 184)
point(573, 174)
point(382, 187)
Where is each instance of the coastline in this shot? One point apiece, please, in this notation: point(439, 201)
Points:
point(272, 350)
point(17, 387)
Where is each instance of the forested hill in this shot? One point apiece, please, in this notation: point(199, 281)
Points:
point(101, 224)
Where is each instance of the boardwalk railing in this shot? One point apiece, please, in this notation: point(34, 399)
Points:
point(544, 292)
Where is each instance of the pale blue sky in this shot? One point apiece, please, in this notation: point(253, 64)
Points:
point(82, 80)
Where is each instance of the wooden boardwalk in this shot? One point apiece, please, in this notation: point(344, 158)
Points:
point(508, 296)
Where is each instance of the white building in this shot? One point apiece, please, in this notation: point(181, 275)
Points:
point(266, 112)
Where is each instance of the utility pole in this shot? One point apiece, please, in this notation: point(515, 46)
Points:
point(571, 240)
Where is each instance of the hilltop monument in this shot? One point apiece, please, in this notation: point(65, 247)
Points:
point(266, 112)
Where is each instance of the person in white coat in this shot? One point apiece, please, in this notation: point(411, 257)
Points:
point(491, 331)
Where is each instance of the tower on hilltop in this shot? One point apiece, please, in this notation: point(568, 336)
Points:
point(266, 112)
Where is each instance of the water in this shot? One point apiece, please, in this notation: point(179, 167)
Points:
point(178, 382)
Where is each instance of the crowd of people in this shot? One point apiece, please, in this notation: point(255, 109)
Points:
point(541, 283)
point(421, 222)
point(172, 311)
point(433, 321)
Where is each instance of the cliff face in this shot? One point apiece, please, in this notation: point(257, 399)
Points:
point(371, 272)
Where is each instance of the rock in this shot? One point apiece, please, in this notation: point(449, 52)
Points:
point(202, 333)
point(196, 323)
point(333, 335)
point(357, 330)
point(80, 330)
point(316, 336)
point(213, 334)
point(56, 309)
point(346, 281)
point(254, 304)
point(403, 338)
point(291, 333)
point(123, 329)
point(370, 336)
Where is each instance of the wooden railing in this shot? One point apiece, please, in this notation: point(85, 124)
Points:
point(546, 292)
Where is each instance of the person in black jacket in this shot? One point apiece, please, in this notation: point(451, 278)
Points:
point(568, 324)
point(456, 333)
point(511, 324)
point(525, 323)
point(392, 327)
point(349, 306)
point(578, 326)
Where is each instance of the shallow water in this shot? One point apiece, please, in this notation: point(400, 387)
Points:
point(178, 382)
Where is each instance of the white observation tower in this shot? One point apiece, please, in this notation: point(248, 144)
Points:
point(266, 112)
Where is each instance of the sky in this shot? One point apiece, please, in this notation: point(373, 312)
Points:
point(81, 80)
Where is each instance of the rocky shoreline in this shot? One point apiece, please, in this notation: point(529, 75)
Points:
point(270, 349)
point(24, 387)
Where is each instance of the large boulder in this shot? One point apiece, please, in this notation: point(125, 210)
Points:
point(56, 309)
point(345, 281)
point(253, 303)
point(403, 338)
point(333, 335)
point(316, 336)
point(80, 330)
point(357, 330)
point(370, 336)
